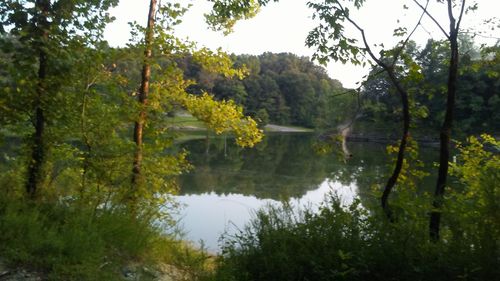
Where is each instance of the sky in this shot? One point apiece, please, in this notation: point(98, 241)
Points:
point(283, 27)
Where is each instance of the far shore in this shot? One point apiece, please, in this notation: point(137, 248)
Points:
point(266, 128)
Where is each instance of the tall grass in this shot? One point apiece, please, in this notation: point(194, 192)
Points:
point(350, 243)
point(77, 243)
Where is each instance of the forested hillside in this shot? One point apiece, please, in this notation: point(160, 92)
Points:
point(291, 90)
point(283, 88)
point(280, 88)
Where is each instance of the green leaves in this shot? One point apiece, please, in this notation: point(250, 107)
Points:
point(329, 38)
point(222, 116)
point(218, 62)
point(225, 13)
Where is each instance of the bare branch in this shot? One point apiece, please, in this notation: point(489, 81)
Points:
point(345, 92)
point(357, 92)
point(356, 113)
point(479, 35)
point(461, 15)
point(365, 41)
point(406, 116)
point(451, 17)
point(409, 35)
point(433, 19)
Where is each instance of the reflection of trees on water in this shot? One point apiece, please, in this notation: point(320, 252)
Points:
point(281, 167)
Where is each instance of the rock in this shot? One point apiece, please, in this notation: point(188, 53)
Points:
point(172, 273)
point(3, 270)
point(20, 275)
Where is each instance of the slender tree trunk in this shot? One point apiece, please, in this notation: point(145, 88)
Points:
point(86, 142)
point(143, 96)
point(402, 145)
point(38, 149)
point(389, 69)
point(445, 134)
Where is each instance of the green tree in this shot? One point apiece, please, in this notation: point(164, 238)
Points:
point(476, 90)
point(46, 31)
point(163, 87)
point(291, 89)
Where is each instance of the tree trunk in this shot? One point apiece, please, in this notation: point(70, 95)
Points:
point(445, 134)
point(38, 150)
point(389, 69)
point(143, 96)
point(402, 144)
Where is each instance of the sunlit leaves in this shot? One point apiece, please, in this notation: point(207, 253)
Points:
point(474, 160)
point(223, 116)
point(218, 62)
point(225, 13)
point(477, 168)
point(413, 168)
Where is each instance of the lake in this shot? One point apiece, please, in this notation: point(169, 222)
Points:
point(228, 183)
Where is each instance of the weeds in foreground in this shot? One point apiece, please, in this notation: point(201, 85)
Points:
point(74, 243)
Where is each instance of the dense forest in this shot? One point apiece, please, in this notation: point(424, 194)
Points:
point(90, 163)
point(279, 88)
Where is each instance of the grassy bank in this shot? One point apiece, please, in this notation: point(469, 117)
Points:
point(75, 242)
point(186, 122)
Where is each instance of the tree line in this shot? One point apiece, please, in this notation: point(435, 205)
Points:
point(279, 88)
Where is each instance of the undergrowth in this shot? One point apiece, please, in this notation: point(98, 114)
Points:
point(77, 243)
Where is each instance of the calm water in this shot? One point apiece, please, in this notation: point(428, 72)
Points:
point(229, 183)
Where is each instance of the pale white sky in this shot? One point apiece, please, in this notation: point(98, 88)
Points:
point(283, 27)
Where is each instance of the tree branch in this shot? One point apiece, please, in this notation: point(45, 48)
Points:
point(406, 117)
point(433, 19)
point(479, 35)
point(451, 17)
point(409, 35)
point(365, 41)
point(461, 15)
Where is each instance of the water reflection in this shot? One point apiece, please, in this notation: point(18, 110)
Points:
point(281, 167)
point(207, 216)
point(228, 182)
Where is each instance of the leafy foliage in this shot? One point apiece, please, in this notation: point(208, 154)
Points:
point(88, 100)
point(226, 13)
